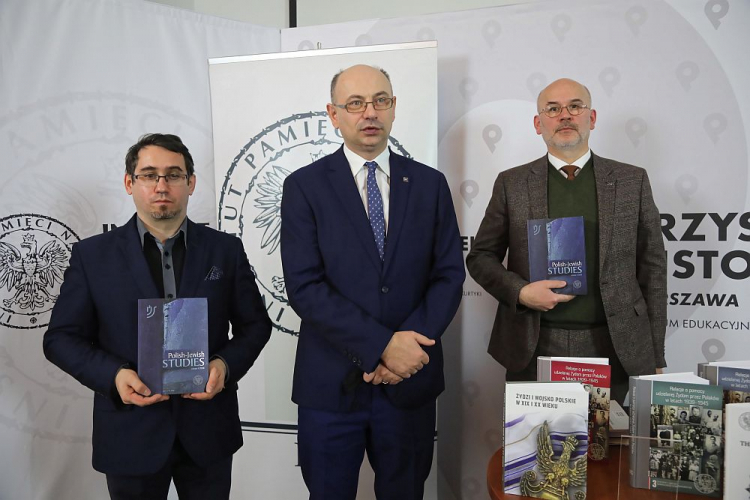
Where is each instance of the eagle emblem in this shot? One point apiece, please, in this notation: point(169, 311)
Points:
point(557, 475)
point(32, 276)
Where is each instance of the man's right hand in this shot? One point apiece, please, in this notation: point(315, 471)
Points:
point(133, 391)
point(404, 355)
point(540, 297)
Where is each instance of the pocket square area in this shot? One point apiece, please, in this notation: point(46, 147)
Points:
point(214, 274)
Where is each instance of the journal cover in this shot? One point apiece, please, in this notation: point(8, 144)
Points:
point(173, 345)
point(557, 250)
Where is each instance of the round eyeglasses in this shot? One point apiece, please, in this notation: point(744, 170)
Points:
point(575, 109)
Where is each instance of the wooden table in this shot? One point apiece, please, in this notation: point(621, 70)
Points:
point(603, 478)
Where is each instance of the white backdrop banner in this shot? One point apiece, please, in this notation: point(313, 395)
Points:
point(80, 81)
point(269, 120)
point(669, 82)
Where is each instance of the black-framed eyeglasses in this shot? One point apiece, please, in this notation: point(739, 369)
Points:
point(153, 179)
point(574, 108)
point(358, 105)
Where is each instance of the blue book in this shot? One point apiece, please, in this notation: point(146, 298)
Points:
point(173, 345)
point(557, 251)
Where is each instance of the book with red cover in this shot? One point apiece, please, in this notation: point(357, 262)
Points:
point(595, 375)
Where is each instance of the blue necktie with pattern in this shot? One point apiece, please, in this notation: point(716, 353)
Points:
point(375, 208)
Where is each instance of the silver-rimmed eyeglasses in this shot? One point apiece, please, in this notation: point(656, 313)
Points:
point(574, 108)
point(358, 105)
point(153, 179)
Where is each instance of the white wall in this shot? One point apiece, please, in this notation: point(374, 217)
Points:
point(272, 13)
point(316, 12)
point(275, 13)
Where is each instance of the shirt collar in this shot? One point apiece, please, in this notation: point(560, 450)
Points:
point(356, 162)
point(580, 162)
point(142, 230)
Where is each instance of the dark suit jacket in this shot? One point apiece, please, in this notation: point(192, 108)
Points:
point(94, 331)
point(632, 262)
point(351, 303)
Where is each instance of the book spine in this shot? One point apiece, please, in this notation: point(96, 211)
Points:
point(543, 370)
point(505, 430)
point(640, 414)
point(633, 430)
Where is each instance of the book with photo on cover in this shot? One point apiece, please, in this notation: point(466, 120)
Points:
point(737, 451)
point(545, 439)
point(595, 375)
point(557, 251)
point(173, 345)
point(681, 414)
point(732, 376)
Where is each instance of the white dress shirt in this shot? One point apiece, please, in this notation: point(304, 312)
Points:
point(559, 164)
point(382, 177)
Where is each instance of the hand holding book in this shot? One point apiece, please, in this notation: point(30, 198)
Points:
point(217, 372)
point(133, 391)
point(540, 296)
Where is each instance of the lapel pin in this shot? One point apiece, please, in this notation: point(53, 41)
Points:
point(404, 179)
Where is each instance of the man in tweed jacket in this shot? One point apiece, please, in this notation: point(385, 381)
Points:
point(623, 316)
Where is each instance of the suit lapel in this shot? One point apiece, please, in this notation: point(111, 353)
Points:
point(538, 189)
point(605, 197)
point(132, 252)
point(195, 261)
point(400, 188)
point(345, 187)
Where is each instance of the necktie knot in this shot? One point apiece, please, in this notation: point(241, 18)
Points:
point(570, 171)
point(371, 166)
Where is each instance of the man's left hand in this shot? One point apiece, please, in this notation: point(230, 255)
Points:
point(381, 375)
point(217, 371)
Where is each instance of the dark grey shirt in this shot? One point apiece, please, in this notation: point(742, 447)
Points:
point(172, 258)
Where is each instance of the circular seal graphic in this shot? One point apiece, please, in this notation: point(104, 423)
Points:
point(577, 284)
point(34, 253)
point(250, 200)
point(744, 421)
point(596, 451)
point(197, 380)
point(705, 483)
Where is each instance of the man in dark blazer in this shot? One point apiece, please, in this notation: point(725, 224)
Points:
point(623, 316)
point(142, 440)
point(373, 266)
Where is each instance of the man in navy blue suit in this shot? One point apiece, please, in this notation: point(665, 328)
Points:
point(373, 266)
point(141, 440)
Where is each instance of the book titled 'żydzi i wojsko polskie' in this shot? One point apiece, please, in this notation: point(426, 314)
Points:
point(545, 439)
point(557, 251)
point(682, 447)
point(173, 345)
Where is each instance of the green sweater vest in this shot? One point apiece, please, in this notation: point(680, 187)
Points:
point(569, 199)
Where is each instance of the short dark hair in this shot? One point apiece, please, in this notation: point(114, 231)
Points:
point(169, 142)
point(335, 79)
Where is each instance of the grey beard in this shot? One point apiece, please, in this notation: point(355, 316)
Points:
point(164, 214)
point(567, 144)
